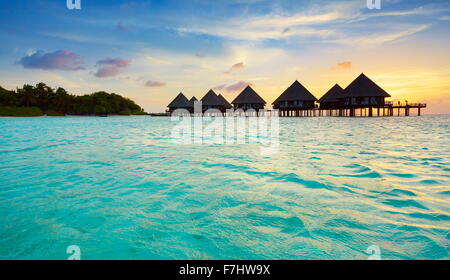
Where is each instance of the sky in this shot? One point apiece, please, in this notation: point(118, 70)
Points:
point(151, 50)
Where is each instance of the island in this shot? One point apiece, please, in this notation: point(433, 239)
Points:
point(40, 100)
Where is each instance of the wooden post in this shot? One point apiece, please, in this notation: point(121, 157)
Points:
point(418, 111)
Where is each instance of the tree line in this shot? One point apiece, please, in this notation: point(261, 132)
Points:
point(42, 99)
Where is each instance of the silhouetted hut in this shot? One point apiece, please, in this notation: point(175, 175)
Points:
point(191, 104)
point(224, 103)
point(180, 102)
point(211, 101)
point(363, 92)
point(333, 99)
point(249, 99)
point(296, 97)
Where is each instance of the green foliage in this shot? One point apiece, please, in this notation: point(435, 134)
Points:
point(53, 113)
point(59, 102)
point(138, 113)
point(9, 111)
point(125, 113)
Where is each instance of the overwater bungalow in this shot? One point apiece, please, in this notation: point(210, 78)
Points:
point(334, 98)
point(225, 104)
point(295, 99)
point(249, 99)
point(180, 102)
point(191, 104)
point(363, 92)
point(211, 101)
point(362, 97)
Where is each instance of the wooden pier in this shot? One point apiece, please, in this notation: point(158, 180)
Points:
point(390, 109)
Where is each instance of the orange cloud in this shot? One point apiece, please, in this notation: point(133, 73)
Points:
point(236, 87)
point(346, 65)
point(155, 84)
point(236, 66)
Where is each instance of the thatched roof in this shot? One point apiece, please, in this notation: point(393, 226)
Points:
point(333, 95)
point(191, 102)
point(296, 92)
point(224, 102)
point(248, 96)
point(179, 102)
point(365, 87)
point(210, 99)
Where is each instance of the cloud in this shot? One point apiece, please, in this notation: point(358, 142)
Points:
point(236, 66)
point(58, 60)
point(158, 60)
point(239, 86)
point(254, 34)
point(239, 65)
point(277, 25)
point(320, 21)
point(110, 67)
point(346, 65)
point(419, 11)
point(381, 38)
point(221, 87)
point(155, 84)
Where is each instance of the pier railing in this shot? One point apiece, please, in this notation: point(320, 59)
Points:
point(405, 104)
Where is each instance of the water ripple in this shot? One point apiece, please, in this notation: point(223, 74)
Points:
point(120, 189)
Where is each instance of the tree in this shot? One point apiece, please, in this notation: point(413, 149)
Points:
point(59, 101)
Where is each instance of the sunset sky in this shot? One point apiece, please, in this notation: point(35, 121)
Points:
point(151, 50)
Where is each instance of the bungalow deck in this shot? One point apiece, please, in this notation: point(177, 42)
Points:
point(389, 109)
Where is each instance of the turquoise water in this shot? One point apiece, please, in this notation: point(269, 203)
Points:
point(119, 188)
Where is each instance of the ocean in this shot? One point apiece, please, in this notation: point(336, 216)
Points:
point(120, 188)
